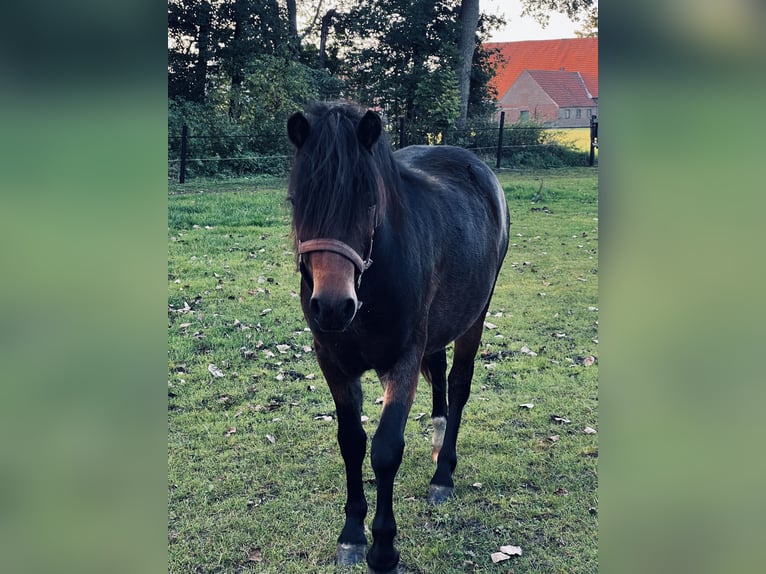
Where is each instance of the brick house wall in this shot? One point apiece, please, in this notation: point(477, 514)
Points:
point(526, 100)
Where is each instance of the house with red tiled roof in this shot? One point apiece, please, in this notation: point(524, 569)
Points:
point(557, 99)
point(552, 81)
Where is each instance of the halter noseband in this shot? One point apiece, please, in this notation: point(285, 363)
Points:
point(340, 248)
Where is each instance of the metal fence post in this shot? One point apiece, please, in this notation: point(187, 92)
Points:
point(500, 140)
point(593, 138)
point(182, 169)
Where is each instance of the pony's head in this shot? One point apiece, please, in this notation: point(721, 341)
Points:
point(338, 189)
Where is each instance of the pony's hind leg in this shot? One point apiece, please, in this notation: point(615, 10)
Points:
point(434, 369)
point(459, 381)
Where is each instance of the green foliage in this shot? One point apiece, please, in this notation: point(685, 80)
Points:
point(438, 94)
point(255, 480)
point(529, 144)
point(242, 129)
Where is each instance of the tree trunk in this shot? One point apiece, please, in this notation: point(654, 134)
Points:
point(468, 20)
point(204, 23)
point(326, 20)
point(292, 28)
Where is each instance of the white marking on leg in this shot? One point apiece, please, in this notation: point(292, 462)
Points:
point(440, 427)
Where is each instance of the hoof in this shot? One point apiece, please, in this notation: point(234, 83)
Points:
point(348, 554)
point(438, 494)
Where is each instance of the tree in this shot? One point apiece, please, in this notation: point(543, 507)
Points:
point(540, 10)
point(468, 20)
point(410, 63)
point(190, 29)
point(589, 24)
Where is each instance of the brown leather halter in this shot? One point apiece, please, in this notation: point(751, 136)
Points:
point(337, 246)
point(343, 249)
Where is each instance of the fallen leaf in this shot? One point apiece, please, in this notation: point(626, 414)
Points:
point(419, 416)
point(553, 438)
point(379, 401)
point(588, 430)
point(561, 491)
point(326, 418)
point(511, 550)
point(477, 485)
point(231, 431)
point(365, 418)
point(558, 419)
point(499, 557)
point(271, 438)
point(527, 405)
point(283, 348)
point(527, 351)
point(265, 312)
point(215, 371)
point(588, 361)
point(489, 325)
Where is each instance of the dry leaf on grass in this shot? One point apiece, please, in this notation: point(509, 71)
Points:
point(505, 553)
point(215, 371)
point(588, 430)
point(511, 550)
point(527, 405)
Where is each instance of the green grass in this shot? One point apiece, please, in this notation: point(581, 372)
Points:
point(268, 496)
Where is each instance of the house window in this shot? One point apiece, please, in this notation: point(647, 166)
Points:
point(578, 113)
point(524, 115)
point(566, 113)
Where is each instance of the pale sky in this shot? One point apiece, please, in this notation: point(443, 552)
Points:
point(526, 28)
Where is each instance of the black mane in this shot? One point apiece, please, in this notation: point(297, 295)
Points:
point(336, 181)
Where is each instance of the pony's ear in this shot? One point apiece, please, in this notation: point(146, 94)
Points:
point(298, 129)
point(369, 128)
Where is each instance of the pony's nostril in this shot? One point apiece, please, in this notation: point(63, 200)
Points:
point(349, 308)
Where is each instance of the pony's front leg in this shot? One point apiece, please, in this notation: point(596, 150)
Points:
point(352, 440)
point(386, 456)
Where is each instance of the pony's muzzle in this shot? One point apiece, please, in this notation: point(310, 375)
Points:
point(333, 314)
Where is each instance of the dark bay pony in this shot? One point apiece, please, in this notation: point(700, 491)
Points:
point(398, 254)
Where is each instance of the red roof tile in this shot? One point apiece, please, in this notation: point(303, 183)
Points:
point(567, 89)
point(568, 54)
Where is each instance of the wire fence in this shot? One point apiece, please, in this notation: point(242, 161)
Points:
point(191, 155)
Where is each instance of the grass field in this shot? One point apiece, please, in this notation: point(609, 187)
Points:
point(579, 137)
point(255, 478)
